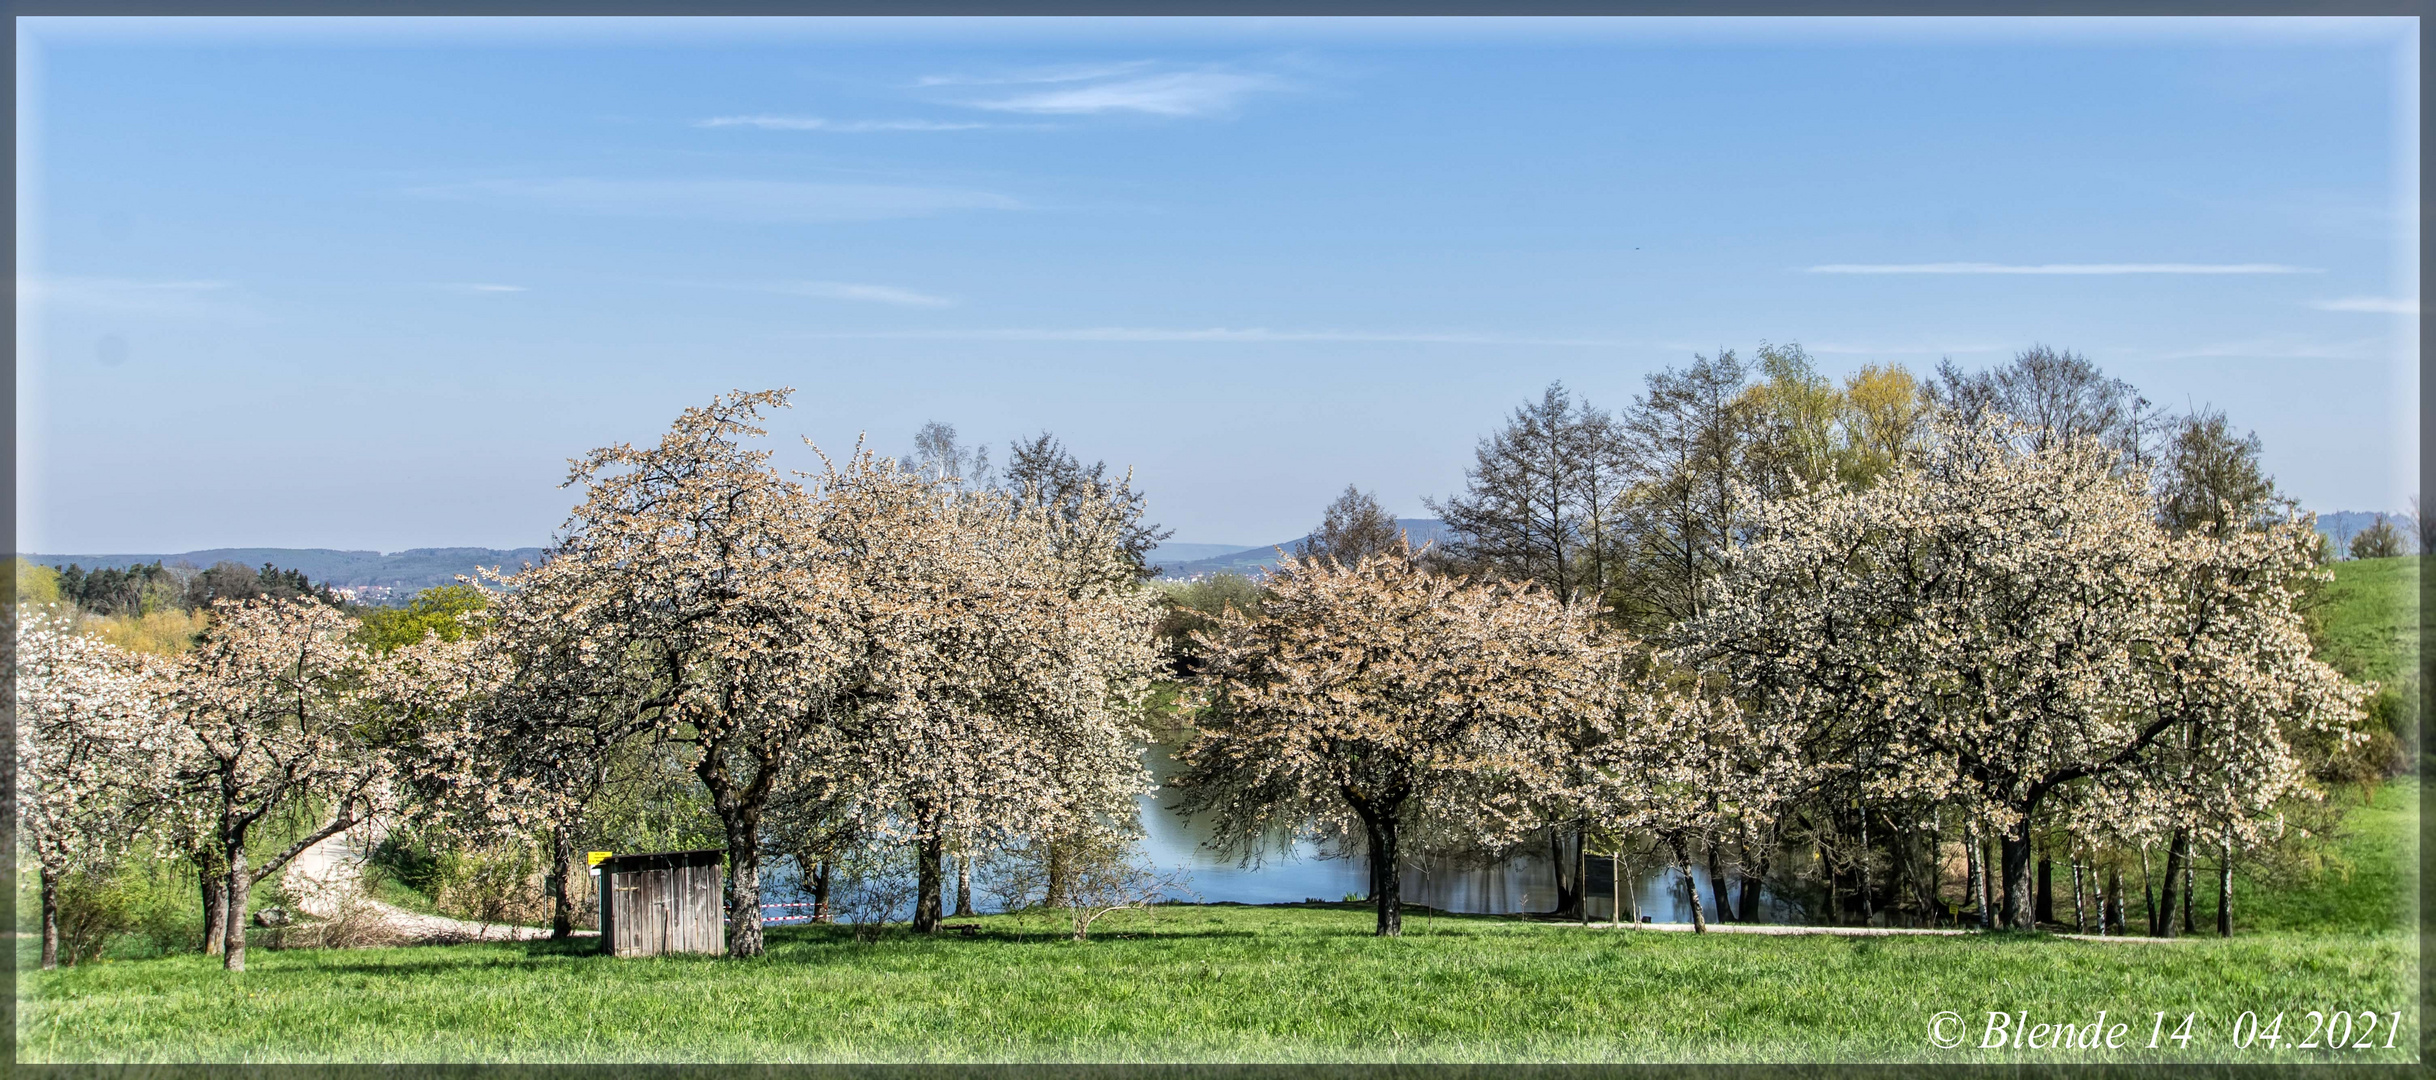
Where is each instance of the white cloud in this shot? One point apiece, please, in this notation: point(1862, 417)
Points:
point(1222, 334)
point(1064, 74)
point(479, 287)
point(1833, 349)
point(725, 200)
point(874, 294)
point(2375, 305)
point(814, 123)
point(124, 296)
point(1182, 93)
point(2378, 349)
point(2061, 268)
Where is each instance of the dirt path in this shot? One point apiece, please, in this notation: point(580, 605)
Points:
point(323, 876)
point(1855, 931)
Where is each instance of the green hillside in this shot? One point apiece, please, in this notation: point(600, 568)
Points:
point(2367, 623)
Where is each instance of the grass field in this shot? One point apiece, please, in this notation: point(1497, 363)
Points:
point(2367, 622)
point(1228, 983)
point(1216, 984)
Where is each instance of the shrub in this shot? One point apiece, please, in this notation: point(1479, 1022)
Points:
point(93, 910)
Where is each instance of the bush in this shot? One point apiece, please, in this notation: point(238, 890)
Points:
point(409, 861)
point(93, 910)
point(491, 887)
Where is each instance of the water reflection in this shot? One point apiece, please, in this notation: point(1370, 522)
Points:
point(1525, 883)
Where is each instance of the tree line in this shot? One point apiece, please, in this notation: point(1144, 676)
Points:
point(1798, 631)
point(1845, 637)
point(881, 653)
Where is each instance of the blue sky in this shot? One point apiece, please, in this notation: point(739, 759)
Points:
point(369, 286)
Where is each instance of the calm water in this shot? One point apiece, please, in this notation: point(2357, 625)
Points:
point(1525, 883)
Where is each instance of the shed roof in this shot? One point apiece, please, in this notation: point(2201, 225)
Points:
point(662, 860)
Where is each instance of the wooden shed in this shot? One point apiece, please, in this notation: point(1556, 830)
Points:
point(664, 902)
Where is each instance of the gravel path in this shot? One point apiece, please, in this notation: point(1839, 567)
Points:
point(322, 877)
point(1856, 931)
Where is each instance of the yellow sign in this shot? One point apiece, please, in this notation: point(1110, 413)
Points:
point(593, 858)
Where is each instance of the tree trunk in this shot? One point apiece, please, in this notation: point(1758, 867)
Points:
point(50, 919)
point(1717, 887)
point(215, 905)
point(2045, 912)
point(743, 885)
point(1567, 893)
point(2224, 894)
point(1977, 870)
point(232, 954)
point(1390, 879)
point(820, 890)
point(2148, 889)
point(1060, 856)
point(2015, 851)
point(1615, 888)
point(1869, 900)
point(1755, 871)
point(1691, 892)
point(2110, 907)
point(928, 854)
point(2174, 873)
point(2080, 910)
point(1581, 874)
point(562, 858)
point(2191, 891)
point(964, 885)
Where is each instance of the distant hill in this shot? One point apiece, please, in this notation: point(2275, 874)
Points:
point(1253, 560)
point(375, 576)
point(1171, 554)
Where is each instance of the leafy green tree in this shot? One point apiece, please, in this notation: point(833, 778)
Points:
point(2210, 478)
point(1795, 419)
point(2379, 541)
point(1354, 527)
point(1196, 606)
point(444, 610)
point(1885, 412)
point(134, 590)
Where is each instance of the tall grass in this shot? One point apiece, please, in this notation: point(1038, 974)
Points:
point(1207, 984)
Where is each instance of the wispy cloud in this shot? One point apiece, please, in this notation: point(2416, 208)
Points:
point(1834, 349)
point(2060, 268)
point(480, 287)
point(2375, 305)
point(2377, 349)
point(814, 123)
point(1062, 74)
point(125, 296)
point(725, 200)
point(1222, 334)
point(873, 294)
point(1181, 93)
